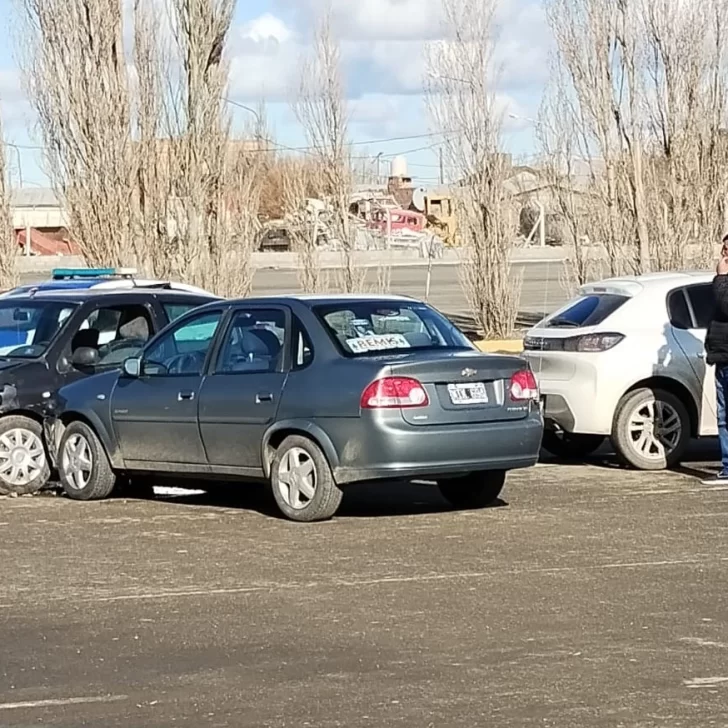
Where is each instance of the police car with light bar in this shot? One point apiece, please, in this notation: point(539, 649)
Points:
point(78, 323)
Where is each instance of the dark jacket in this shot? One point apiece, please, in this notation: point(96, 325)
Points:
point(716, 341)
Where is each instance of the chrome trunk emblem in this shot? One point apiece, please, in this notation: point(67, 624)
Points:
point(469, 372)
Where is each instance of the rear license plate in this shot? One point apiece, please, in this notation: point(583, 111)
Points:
point(464, 394)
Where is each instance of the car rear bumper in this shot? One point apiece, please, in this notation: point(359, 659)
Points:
point(400, 451)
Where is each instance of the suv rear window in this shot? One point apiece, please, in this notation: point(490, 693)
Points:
point(362, 328)
point(585, 311)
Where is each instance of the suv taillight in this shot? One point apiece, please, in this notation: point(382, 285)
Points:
point(524, 386)
point(392, 392)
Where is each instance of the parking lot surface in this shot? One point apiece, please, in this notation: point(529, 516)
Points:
point(591, 596)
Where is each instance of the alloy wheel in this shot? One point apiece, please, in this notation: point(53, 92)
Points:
point(655, 429)
point(297, 478)
point(77, 461)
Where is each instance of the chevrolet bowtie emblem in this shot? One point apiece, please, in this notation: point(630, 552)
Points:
point(469, 372)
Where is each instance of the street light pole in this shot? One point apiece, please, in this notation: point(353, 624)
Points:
point(20, 162)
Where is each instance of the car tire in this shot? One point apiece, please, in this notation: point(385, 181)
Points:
point(571, 445)
point(24, 466)
point(83, 464)
point(648, 451)
point(302, 482)
point(474, 491)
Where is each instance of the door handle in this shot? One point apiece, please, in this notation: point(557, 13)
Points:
point(185, 396)
point(263, 397)
point(701, 355)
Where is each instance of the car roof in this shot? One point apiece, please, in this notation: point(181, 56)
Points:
point(80, 295)
point(316, 299)
point(650, 283)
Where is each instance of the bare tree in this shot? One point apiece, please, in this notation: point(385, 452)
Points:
point(8, 245)
point(154, 173)
point(462, 99)
point(646, 94)
point(76, 77)
point(302, 221)
point(322, 112)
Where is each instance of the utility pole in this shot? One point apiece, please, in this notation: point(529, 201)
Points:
point(442, 168)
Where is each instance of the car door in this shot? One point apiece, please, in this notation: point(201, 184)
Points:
point(239, 399)
point(155, 414)
point(691, 309)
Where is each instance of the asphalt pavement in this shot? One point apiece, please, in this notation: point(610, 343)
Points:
point(591, 596)
point(542, 288)
point(542, 285)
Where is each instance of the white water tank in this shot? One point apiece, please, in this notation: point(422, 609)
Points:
point(399, 167)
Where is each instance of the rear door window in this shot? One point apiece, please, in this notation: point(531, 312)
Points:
point(703, 303)
point(590, 310)
point(677, 306)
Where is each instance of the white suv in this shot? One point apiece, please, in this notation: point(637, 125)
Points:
point(626, 360)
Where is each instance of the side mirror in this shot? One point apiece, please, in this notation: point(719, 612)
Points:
point(85, 357)
point(133, 367)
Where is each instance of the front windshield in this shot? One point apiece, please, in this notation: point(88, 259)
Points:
point(28, 327)
point(363, 328)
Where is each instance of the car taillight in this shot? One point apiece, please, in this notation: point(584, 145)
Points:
point(593, 343)
point(587, 343)
point(524, 386)
point(392, 392)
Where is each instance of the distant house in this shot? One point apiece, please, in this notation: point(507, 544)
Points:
point(38, 210)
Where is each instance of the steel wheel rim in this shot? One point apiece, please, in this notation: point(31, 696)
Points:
point(22, 457)
point(655, 429)
point(77, 462)
point(297, 478)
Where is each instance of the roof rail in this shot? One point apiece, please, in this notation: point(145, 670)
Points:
point(64, 274)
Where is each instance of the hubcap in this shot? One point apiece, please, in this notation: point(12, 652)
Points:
point(77, 462)
point(655, 429)
point(21, 456)
point(297, 478)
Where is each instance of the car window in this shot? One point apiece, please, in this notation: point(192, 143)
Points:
point(703, 303)
point(183, 350)
point(677, 307)
point(175, 310)
point(302, 346)
point(590, 310)
point(115, 332)
point(373, 327)
point(28, 327)
point(253, 342)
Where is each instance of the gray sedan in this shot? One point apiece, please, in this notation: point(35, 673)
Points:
point(310, 393)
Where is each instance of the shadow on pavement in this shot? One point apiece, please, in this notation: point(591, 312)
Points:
point(701, 460)
point(360, 501)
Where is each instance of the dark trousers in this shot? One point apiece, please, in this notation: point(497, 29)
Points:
point(721, 391)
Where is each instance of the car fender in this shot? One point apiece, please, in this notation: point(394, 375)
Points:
point(308, 428)
point(91, 418)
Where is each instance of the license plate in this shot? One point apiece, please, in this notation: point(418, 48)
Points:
point(464, 394)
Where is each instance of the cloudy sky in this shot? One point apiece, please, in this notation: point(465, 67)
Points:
point(382, 47)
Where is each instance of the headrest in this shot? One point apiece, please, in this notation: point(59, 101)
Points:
point(87, 338)
point(260, 342)
point(137, 328)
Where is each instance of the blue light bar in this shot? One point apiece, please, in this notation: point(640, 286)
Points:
point(60, 274)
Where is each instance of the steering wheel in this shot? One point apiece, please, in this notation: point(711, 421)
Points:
point(188, 363)
point(113, 346)
point(106, 350)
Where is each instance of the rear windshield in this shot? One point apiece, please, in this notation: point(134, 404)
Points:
point(374, 327)
point(586, 311)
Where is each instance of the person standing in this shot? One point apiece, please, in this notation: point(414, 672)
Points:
point(716, 349)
